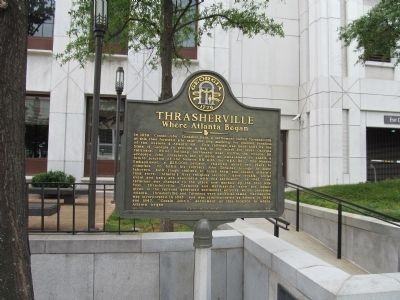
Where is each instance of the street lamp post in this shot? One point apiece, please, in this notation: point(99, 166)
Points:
point(99, 28)
point(119, 87)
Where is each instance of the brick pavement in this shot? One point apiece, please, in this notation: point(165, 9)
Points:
point(66, 213)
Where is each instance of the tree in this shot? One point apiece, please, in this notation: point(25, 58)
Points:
point(163, 26)
point(15, 275)
point(377, 32)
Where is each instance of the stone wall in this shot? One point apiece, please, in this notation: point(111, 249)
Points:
point(147, 266)
point(247, 264)
point(369, 243)
point(270, 262)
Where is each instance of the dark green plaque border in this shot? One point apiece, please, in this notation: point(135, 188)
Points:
point(136, 112)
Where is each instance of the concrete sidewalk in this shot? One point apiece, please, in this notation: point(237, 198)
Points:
point(305, 242)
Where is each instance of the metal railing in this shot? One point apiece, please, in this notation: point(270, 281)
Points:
point(65, 210)
point(278, 223)
point(53, 208)
point(340, 204)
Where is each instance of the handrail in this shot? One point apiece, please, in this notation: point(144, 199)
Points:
point(276, 222)
point(340, 202)
point(356, 207)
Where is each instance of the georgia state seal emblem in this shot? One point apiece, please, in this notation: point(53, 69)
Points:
point(206, 92)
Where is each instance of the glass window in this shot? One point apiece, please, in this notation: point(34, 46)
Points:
point(36, 126)
point(378, 56)
point(186, 37)
point(190, 41)
point(41, 14)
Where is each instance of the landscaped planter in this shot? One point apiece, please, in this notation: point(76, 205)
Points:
point(54, 184)
point(52, 193)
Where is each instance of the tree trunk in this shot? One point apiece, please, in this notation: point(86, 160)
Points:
point(15, 275)
point(166, 49)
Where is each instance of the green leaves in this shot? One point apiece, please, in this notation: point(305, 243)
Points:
point(53, 179)
point(136, 25)
point(377, 32)
point(248, 16)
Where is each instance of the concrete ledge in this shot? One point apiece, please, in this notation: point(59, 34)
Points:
point(369, 286)
point(37, 243)
point(312, 277)
point(307, 275)
point(354, 220)
point(248, 262)
point(128, 243)
point(183, 241)
point(372, 244)
point(167, 241)
point(227, 239)
point(320, 282)
point(290, 261)
point(84, 243)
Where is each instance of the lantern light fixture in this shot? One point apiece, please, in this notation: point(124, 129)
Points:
point(100, 15)
point(119, 80)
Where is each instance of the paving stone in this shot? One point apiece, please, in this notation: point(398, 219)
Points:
point(218, 274)
point(255, 281)
point(62, 276)
point(176, 275)
point(133, 276)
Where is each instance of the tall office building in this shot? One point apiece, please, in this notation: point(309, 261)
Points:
point(340, 120)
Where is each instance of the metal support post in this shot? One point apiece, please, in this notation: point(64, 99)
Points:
point(95, 131)
point(339, 241)
point(276, 229)
point(116, 157)
point(202, 265)
point(297, 209)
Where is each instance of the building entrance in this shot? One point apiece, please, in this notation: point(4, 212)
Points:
point(383, 153)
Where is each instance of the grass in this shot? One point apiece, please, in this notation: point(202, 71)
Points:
point(382, 196)
point(142, 225)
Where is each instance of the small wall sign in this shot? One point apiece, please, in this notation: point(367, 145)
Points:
point(391, 120)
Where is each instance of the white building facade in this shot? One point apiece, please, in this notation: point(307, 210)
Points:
point(334, 111)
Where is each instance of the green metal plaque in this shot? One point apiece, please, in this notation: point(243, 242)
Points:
point(201, 154)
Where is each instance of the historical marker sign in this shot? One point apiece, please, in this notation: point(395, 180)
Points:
point(202, 154)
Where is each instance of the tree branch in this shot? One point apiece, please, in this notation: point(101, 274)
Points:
point(184, 11)
point(204, 18)
point(183, 60)
point(118, 32)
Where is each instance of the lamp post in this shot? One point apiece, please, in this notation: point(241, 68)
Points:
point(119, 87)
point(99, 28)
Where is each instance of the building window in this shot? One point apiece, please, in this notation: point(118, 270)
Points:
point(308, 143)
point(107, 135)
point(41, 24)
point(379, 58)
point(36, 133)
point(346, 141)
point(187, 44)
